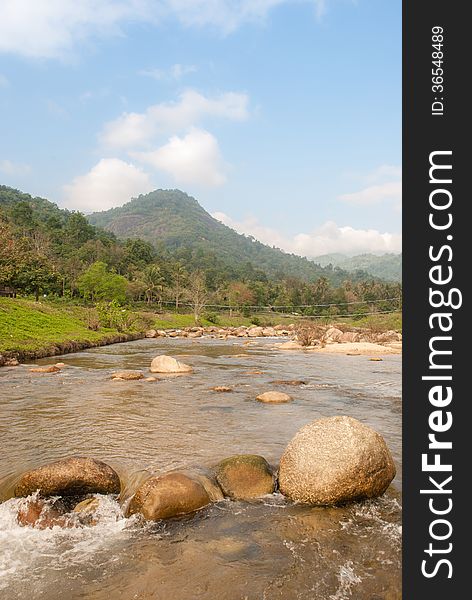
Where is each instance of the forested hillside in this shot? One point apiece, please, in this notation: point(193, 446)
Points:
point(176, 221)
point(193, 259)
point(384, 266)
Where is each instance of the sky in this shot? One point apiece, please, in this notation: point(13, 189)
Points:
point(282, 117)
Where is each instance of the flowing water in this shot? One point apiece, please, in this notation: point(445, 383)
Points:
point(270, 549)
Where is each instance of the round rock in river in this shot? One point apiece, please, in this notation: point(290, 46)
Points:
point(274, 398)
point(168, 496)
point(335, 460)
point(245, 476)
point(70, 477)
point(168, 364)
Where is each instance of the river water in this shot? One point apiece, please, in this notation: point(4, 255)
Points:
point(270, 549)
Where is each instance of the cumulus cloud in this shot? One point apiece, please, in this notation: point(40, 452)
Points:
point(132, 129)
point(52, 28)
point(382, 184)
point(175, 72)
point(8, 167)
point(324, 240)
point(111, 182)
point(375, 194)
point(192, 159)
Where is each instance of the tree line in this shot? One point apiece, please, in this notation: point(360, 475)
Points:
point(46, 251)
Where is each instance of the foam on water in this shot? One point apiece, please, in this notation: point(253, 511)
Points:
point(29, 550)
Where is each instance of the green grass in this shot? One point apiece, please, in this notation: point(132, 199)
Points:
point(27, 326)
point(392, 321)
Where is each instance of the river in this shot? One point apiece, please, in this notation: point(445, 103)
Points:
point(270, 549)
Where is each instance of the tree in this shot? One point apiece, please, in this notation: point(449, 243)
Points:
point(179, 279)
point(198, 294)
point(239, 294)
point(97, 283)
point(153, 283)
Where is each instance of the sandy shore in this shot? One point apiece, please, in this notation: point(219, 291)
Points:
point(349, 348)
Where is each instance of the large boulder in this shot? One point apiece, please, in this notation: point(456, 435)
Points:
point(255, 332)
point(274, 398)
point(245, 476)
point(349, 337)
point(168, 364)
point(74, 476)
point(335, 460)
point(168, 495)
point(332, 335)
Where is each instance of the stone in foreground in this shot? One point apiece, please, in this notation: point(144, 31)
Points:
point(70, 477)
point(335, 460)
point(245, 477)
point(274, 397)
point(168, 495)
point(168, 364)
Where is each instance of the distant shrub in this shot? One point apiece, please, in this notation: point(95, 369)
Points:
point(92, 319)
point(114, 316)
point(309, 333)
point(212, 317)
point(255, 321)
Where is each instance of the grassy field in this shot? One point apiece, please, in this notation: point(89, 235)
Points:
point(29, 327)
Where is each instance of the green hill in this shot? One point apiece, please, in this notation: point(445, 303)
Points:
point(386, 266)
point(174, 221)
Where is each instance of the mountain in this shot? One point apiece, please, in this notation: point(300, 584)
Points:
point(174, 221)
point(385, 266)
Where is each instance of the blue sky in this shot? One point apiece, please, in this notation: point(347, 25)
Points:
point(282, 117)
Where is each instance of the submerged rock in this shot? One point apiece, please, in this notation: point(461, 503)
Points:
point(274, 398)
point(49, 369)
point(245, 476)
point(128, 375)
point(335, 460)
point(168, 495)
point(221, 388)
point(292, 345)
point(70, 477)
point(289, 382)
point(168, 364)
point(41, 514)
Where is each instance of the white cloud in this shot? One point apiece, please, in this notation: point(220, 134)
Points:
point(383, 173)
point(192, 159)
point(7, 167)
point(375, 194)
point(4, 81)
point(52, 28)
point(132, 129)
point(228, 15)
point(382, 184)
point(111, 182)
point(324, 240)
point(175, 72)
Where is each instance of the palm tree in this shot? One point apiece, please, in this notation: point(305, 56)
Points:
point(153, 283)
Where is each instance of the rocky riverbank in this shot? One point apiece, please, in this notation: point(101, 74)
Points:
point(324, 338)
point(13, 358)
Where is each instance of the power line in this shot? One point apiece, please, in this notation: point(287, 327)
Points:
point(274, 308)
